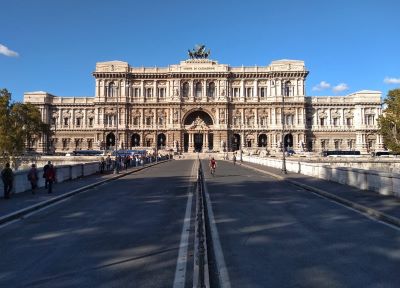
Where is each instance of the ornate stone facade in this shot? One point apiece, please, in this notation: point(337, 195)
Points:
point(203, 105)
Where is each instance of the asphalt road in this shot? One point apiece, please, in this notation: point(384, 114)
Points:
point(125, 233)
point(274, 234)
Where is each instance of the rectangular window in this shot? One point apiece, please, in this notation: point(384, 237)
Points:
point(349, 121)
point(322, 121)
point(90, 122)
point(78, 122)
point(136, 92)
point(161, 93)
point(65, 121)
point(148, 121)
point(323, 144)
point(236, 92)
point(136, 121)
point(369, 119)
point(335, 121)
point(249, 92)
point(90, 144)
point(64, 144)
point(337, 144)
point(263, 92)
point(149, 92)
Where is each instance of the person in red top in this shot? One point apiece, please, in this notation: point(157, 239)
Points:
point(50, 177)
point(213, 165)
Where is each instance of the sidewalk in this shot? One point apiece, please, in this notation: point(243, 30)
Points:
point(25, 202)
point(381, 207)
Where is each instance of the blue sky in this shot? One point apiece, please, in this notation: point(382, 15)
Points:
point(54, 45)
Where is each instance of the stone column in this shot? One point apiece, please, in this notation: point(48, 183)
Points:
point(242, 90)
point(155, 93)
point(190, 146)
point(141, 91)
point(255, 92)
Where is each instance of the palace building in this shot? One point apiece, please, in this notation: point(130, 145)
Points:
point(201, 105)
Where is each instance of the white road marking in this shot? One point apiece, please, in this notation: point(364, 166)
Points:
point(224, 281)
point(181, 263)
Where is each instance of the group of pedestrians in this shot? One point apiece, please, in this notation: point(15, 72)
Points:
point(49, 175)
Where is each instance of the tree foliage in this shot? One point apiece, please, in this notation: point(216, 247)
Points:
point(389, 121)
point(19, 124)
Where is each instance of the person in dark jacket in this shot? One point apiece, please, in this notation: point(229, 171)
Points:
point(7, 176)
point(33, 178)
point(44, 173)
point(50, 177)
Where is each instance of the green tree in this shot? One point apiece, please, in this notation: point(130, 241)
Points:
point(389, 121)
point(19, 124)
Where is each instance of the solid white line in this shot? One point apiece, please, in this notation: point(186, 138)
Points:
point(181, 263)
point(224, 281)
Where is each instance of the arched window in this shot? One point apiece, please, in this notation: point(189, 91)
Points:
point(198, 89)
point(185, 89)
point(211, 89)
point(110, 90)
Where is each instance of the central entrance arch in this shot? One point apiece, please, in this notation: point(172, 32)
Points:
point(198, 136)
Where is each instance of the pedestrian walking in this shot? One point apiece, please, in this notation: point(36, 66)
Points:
point(126, 162)
point(234, 159)
point(108, 162)
point(102, 165)
point(7, 176)
point(33, 177)
point(50, 177)
point(44, 173)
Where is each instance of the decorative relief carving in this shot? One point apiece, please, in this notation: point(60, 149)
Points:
point(109, 111)
point(249, 112)
point(369, 111)
point(335, 114)
point(66, 114)
point(78, 114)
point(90, 113)
point(322, 114)
point(148, 112)
point(136, 112)
point(198, 123)
point(349, 113)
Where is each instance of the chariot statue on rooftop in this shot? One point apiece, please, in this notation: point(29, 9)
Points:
point(199, 52)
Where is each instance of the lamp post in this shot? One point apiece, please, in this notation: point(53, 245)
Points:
point(156, 140)
point(241, 140)
point(116, 170)
point(283, 136)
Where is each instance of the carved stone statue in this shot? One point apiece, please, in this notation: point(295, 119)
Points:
point(199, 52)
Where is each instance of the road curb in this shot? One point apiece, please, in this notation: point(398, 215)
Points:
point(361, 208)
point(20, 213)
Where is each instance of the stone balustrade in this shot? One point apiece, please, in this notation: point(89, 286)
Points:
point(378, 181)
point(63, 173)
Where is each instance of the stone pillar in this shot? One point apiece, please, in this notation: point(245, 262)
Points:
point(155, 93)
point(141, 90)
point(190, 146)
point(255, 92)
point(242, 90)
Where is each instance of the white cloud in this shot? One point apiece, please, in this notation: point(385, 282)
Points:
point(321, 86)
point(389, 80)
point(5, 51)
point(340, 87)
